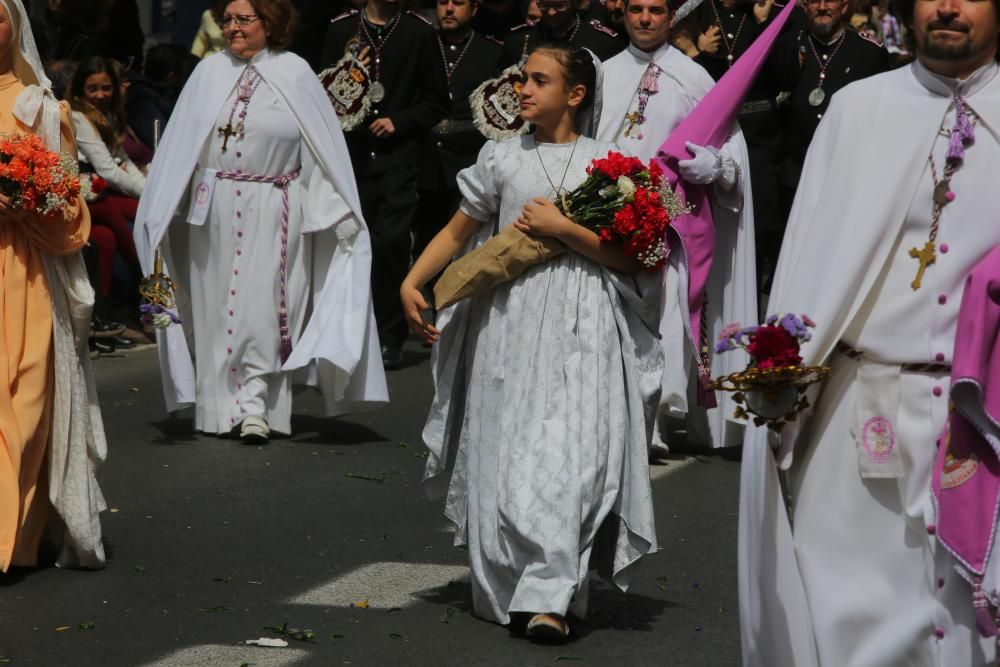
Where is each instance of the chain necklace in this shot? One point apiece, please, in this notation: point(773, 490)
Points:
point(449, 68)
point(378, 89)
point(728, 39)
point(246, 86)
point(558, 192)
point(818, 95)
point(961, 136)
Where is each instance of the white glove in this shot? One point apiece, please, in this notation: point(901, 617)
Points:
point(702, 169)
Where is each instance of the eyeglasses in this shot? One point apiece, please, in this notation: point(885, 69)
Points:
point(239, 19)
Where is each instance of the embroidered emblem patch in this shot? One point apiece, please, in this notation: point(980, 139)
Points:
point(956, 471)
point(201, 194)
point(879, 439)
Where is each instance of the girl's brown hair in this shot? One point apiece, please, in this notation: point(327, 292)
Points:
point(110, 124)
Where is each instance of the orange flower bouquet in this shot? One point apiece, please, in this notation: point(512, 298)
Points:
point(36, 179)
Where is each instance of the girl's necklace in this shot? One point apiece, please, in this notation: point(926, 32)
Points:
point(557, 192)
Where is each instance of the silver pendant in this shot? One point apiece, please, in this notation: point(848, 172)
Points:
point(377, 92)
point(816, 97)
point(941, 193)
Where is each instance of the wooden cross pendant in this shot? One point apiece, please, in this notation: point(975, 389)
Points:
point(225, 133)
point(926, 257)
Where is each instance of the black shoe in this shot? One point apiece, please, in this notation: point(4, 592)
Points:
point(101, 346)
point(392, 357)
point(101, 328)
point(123, 343)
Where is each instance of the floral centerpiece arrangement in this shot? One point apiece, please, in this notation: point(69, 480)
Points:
point(772, 388)
point(35, 178)
point(621, 200)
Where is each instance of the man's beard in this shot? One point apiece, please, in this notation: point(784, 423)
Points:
point(824, 31)
point(945, 50)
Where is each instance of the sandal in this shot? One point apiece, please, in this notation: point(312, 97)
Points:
point(548, 628)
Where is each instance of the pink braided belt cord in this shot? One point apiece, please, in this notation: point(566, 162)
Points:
point(281, 182)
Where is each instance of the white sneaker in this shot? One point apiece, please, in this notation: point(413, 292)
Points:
point(254, 430)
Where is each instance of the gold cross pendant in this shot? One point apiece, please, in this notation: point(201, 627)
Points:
point(225, 133)
point(634, 118)
point(926, 256)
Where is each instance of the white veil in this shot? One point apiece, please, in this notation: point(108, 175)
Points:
point(590, 120)
point(36, 107)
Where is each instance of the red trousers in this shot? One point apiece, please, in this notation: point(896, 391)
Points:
point(110, 233)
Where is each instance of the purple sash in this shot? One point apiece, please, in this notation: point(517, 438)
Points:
point(709, 124)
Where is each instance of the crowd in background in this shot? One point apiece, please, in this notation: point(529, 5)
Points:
point(121, 86)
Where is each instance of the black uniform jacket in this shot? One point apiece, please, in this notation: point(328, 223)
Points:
point(416, 91)
point(453, 144)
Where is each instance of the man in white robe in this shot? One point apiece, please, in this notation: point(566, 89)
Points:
point(221, 241)
point(862, 580)
point(650, 88)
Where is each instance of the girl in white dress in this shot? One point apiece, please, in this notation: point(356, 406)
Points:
point(544, 386)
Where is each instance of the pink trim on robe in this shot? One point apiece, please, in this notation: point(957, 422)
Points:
point(966, 477)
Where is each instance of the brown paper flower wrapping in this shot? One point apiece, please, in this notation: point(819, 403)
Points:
point(501, 259)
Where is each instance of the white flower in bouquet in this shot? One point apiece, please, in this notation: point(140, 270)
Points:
point(626, 186)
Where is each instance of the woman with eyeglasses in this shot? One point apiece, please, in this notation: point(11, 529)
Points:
point(252, 202)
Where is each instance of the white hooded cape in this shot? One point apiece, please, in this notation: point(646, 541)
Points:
point(856, 188)
point(732, 284)
point(338, 349)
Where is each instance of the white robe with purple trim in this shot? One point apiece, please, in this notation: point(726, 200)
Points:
point(732, 284)
point(221, 243)
point(855, 576)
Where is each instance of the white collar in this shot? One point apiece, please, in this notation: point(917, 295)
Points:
point(657, 56)
point(255, 59)
point(948, 86)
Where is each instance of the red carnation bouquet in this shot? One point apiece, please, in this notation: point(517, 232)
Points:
point(35, 178)
point(621, 200)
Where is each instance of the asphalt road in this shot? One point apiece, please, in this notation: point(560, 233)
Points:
point(210, 541)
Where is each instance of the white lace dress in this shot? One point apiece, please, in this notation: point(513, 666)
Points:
point(544, 389)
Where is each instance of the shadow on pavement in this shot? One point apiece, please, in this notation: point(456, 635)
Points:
point(332, 431)
point(456, 594)
point(609, 609)
point(174, 430)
